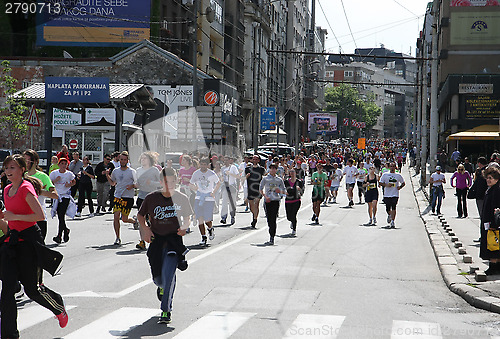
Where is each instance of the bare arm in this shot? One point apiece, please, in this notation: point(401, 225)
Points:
point(34, 204)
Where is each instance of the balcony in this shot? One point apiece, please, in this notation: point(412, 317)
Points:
point(216, 67)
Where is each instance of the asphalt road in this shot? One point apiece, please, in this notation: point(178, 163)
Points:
point(338, 279)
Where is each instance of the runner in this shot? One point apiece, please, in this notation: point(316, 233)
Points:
point(294, 190)
point(19, 260)
point(148, 180)
point(185, 174)
point(166, 211)
point(85, 187)
point(124, 179)
point(360, 181)
point(205, 183)
point(75, 166)
point(102, 183)
point(63, 181)
point(230, 174)
point(48, 189)
point(371, 195)
point(392, 182)
point(318, 179)
point(272, 188)
point(254, 176)
point(336, 177)
point(350, 173)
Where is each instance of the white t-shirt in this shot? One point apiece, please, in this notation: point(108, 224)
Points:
point(336, 177)
point(231, 169)
point(395, 180)
point(350, 174)
point(123, 178)
point(362, 173)
point(62, 190)
point(435, 176)
point(368, 165)
point(205, 182)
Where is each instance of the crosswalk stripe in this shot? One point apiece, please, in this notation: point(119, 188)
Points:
point(115, 324)
point(215, 325)
point(34, 315)
point(413, 329)
point(315, 326)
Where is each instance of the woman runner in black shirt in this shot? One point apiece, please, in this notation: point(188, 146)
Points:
point(294, 190)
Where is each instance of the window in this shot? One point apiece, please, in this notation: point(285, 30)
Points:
point(348, 74)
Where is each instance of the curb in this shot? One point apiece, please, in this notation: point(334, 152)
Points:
point(436, 228)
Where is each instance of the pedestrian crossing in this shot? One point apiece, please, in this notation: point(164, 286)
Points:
point(133, 322)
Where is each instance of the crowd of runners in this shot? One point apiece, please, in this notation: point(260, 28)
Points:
point(172, 202)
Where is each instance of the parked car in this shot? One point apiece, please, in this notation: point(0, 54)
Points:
point(43, 158)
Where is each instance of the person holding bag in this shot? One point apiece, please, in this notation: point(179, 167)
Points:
point(489, 224)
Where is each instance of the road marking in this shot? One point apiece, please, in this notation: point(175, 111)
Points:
point(215, 325)
point(315, 326)
point(115, 324)
point(91, 294)
point(413, 329)
point(34, 315)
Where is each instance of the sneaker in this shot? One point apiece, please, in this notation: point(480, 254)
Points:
point(374, 220)
point(141, 245)
point(66, 235)
point(136, 223)
point(223, 219)
point(211, 233)
point(117, 242)
point(247, 209)
point(98, 211)
point(78, 214)
point(254, 222)
point(334, 201)
point(159, 293)
point(392, 224)
point(57, 239)
point(294, 233)
point(316, 221)
point(313, 217)
point(351, 203)
point(166, 318)
point(203, 242)
point(389, 219)
point(271, 241)
point(369, 223)
point(63, 319)
point(91, 215)
point(232, 221)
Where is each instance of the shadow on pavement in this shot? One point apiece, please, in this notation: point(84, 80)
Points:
point(149, 328)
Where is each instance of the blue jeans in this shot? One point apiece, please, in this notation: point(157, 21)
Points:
point(437, 195)
point(167, 279)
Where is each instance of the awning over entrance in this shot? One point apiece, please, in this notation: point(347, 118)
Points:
point(132, 97)
point(483, 132)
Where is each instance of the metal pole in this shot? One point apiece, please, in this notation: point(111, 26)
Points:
point(277, 132)
point(423, 160)
point(49, 112)
point(256, 113)
point(196, 5)
point(434, 90)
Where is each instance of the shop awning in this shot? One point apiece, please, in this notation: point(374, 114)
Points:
point(483, 132)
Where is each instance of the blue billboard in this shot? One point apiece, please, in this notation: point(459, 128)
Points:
point(94, 23)
point(76, 90)
point(267, 118)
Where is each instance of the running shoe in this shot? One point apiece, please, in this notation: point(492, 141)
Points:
point(78, 214)
point(141, 245)
point(247, 209)
point(254, 222)
point(316, 221)
point(203, 242)
point(223, 219)
point(313, 217)
point(211, 233)
point(57, 239)
point(271, 241)
point(159, 293)
point(136, 223)
point(389, 218)
point(62, 318)
point(294, 233)
point(117, 242)
point(233, 221)
point(166, 318)
point(374, 221)
point(66, 235)
point(91, 215)
point(392, 224)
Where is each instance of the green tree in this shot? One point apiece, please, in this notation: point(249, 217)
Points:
point(13, 117)
point(350, 104)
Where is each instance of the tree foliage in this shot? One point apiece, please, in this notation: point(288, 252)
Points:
point(13, 114)
point(350, 104)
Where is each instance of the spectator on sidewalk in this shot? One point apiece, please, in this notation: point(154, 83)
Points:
point(85, 188)
point(75, 166)
point(437, 193)
point(468, 166)
point(480, 183)
point(491, 204)
point(462, 183)
point(102, 183)
point(455, 157)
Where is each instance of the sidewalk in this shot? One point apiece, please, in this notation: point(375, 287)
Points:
point(456, 252)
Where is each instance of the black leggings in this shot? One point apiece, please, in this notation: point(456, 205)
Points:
point(462, 201)
point(292, 208)
point(272, 208)
point(85, 189)
point(23, 268)
point(42, 224)
point(61, 215)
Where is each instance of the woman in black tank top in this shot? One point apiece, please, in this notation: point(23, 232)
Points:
point(371, 195)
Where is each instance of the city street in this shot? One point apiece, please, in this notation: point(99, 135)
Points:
point(338, 279)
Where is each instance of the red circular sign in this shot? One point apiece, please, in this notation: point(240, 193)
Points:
point(211, 98)
point(73, 143)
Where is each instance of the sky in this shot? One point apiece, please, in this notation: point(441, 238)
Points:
point(394, 23)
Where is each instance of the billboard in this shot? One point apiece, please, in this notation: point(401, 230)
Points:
point(326, 123)
point(474, 3)
point(475, 28)
point(267, 118)
point(77, 90)
point(94, 23)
